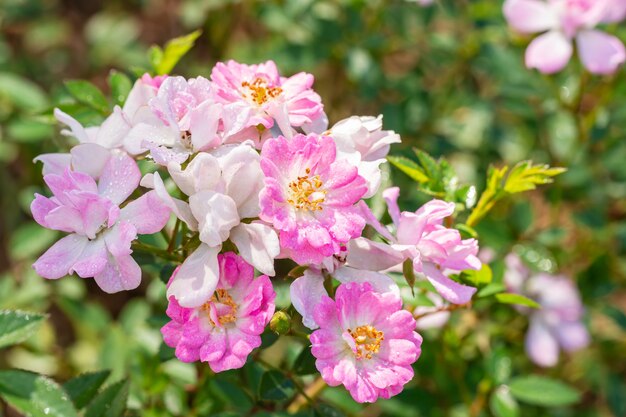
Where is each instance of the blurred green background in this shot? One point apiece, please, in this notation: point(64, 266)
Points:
point(449, 78)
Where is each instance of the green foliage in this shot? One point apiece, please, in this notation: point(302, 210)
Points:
point(35, 395)
point(120, 87)
point(275, 387)
point(523, 176)
point(17, 326)
point(502, 403)
point(83, 388)
point(164, 60)
point(517, 299)
point(111, 402)
point(88, 94)
point(543, 391)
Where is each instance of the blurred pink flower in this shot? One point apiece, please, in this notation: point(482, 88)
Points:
point(257, 95)
point(101, 232)
point(228, 325)
point(366, 342)
point(564, 21)
point(433, 248)
point(310, 196)
point(558, 325)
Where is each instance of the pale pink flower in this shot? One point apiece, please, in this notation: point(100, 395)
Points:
point(366, 342)
point(558, 324)
point(228, 325)
point(421, 237)
point(259, 96)
point(100, 232)
point(362, 141)
point(188, 121)
point(307, 291)
point(564, 21)
point(310, 196)
point(432, 316)
point(223, 188)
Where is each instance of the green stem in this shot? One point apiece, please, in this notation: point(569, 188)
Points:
point(161, 253)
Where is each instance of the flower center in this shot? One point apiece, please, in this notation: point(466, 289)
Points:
point(259, 92)
point(367, 340)
point(305, 193)
point(221, 307)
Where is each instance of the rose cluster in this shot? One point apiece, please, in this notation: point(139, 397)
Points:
point(248, 166)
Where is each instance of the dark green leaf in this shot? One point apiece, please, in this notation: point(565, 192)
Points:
point(35, 395)
point(275, 387)
point(305, 363)
point(491, 289)
point(17, 326)
point(409, 274)
point(83, 388)
point(409, 167)
point(120, 87)
point(88, 94)
point(111, 402)
point(539, 390)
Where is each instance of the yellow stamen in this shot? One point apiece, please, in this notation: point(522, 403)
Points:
point(305, 193)
point(221, 296)
point(259, 92)
point(367, 340)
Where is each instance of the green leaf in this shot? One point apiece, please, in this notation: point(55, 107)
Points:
point(543, 391)
point(481, 277)
point(517, 299)
point(120, 87)
point(305, 363)
point(22, 93)
point(409, 167)
point(491, 289)
point(30, 240)
point(17, 326)
point(431, 167)
point(164, 60)
point(35, 395)
point(111, 402)
point(502, 403)
point(409, 274)
point(83, 388)
point(275, 387)
point(525, 176)
point(88, 94)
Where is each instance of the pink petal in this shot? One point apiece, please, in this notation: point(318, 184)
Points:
point(147, 213)
point(216, 214)
point(59, 259)
point(197, 277)
point(450, 290)
point(118, 238)
point(541, 346)
point(530, 16)
point(600, 52)
point(391, 198)
point(258, 244)
point(120, 177)
point(373, 256)
point(121, 273)
point(54, 163)
point(549, 53)
point(93, 259)
point(306, 294)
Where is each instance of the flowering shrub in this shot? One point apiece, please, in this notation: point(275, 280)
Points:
point(265, 219)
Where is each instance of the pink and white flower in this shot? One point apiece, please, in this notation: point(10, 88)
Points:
point(187, 121)
point(433, 248)
point(101, 233)
point(558, 324)
point(310, 196)
point(223, 188)
point(362, 141)
point(366, 342)
point(228, 325)
point(563, 21)
point(259, 96)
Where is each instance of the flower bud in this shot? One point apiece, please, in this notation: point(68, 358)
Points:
point(280, 323)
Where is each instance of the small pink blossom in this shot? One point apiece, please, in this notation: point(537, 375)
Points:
point(258, 95)
point(558, 324)
point(433, 248)
point(228, 326)
point(366, 342)
point(563, 21)
point(310, 196)
point(101, 233)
